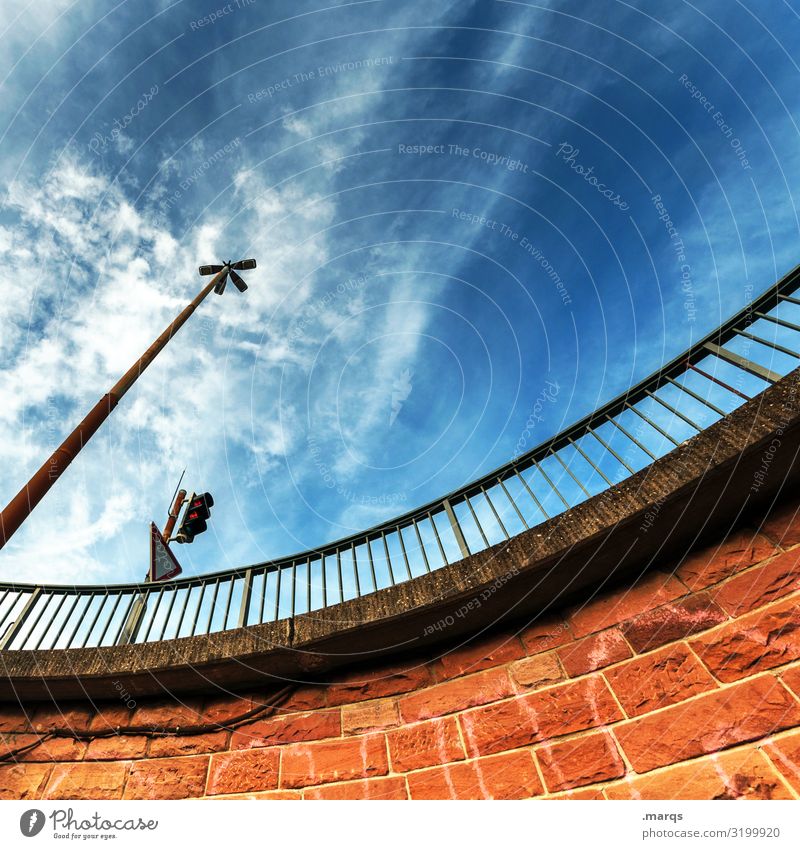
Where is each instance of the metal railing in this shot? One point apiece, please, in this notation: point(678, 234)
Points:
point(735, 362)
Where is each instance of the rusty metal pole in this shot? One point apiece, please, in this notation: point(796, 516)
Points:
point(173, 515)
point(20, 507)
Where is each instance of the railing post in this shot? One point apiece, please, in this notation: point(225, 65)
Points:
point(246, 591)
point(457, 532)
point(15, 626)
point(743, 363)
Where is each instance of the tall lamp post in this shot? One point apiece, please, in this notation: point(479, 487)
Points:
point(20, 507)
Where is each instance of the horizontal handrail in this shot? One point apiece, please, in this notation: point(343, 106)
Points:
point(733, 363)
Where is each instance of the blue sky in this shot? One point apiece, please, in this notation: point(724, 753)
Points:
point(453, 206)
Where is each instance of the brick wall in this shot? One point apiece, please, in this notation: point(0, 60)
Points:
point(684, 684)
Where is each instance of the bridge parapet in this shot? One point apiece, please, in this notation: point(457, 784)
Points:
point(735, 467)
point(703, 385)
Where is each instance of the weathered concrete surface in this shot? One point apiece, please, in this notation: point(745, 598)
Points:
point(702, 487)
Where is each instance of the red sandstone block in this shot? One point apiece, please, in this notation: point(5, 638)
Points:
point(282, 795)
point(110, 717)
point(508, 776)
point(14, 742)
point(456, 695)
point(539, 716)
point(116, 748)
point(167, 714)
point(594, 652)
point(226, 708)
point(588, 759)
point(713, 564)
point(545, 635)
point(792, 679)
point(221, 710)
point(273, 795)
point(243, 772)
point(659, 679)
point(15, 719)
point(588, 795)
point(673, 621)
point(311, 697)
point(714, 721)
point(86, 781)
point(301, 698)
point(740, 774)
point(372, 788)
point(168, 778)
point(785, 755)
point(761, 640)
point(70, 717)
point(23, 781)
point(307, 764)
point(378, 683)
point(425, 744)
point(482, 654)
point(364, 717)
point(760, 585)
point(652, 590)
point(784, 526)
point(536, 671)
point(56, 749)
point(292, 728)
point(195, 744)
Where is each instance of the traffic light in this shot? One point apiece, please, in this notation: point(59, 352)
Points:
point(194, 518)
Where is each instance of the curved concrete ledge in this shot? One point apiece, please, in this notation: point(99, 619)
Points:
point(702, 487)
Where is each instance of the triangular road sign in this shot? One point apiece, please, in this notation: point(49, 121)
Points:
point(163, 564)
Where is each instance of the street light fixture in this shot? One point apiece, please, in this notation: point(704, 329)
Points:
point(229, 268)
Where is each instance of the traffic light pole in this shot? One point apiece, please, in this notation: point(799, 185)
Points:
point(172, 518)
point(20, 507)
